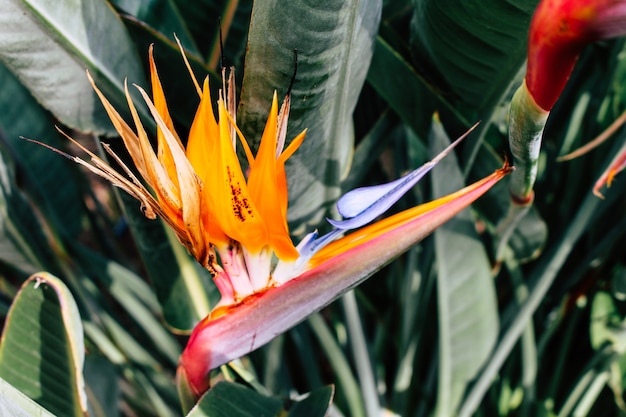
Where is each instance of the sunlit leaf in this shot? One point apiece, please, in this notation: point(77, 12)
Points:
point(334, 41)
point(49, 45)
point(15, 404)
point(41, 350)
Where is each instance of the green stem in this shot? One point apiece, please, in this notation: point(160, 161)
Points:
point(526, 124)
point(345, 379)
point(361, 355)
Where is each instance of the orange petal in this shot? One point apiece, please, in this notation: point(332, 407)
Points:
point(203, 137)
point(158, 97)
point(190, 188)
point(268, 189)
point(228, 194)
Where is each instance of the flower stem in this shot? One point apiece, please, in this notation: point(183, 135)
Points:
point(527, 121)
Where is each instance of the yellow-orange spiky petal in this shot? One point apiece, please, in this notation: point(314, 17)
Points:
point(203, 136)
point(158, 98)
point(233, 208)
point(190, 187)
point(268, 189)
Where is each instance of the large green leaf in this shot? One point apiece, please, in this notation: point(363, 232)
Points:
point(135, 297)
point(42, 350)
point(49, 45)
point(468, 313)
point(15, 404)
point(474, 47)
point(228, 399)
point(334, 39)
point(404, 90)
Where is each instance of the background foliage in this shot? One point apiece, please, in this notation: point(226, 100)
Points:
point(446, 330)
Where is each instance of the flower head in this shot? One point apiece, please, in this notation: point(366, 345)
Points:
point(235, 225)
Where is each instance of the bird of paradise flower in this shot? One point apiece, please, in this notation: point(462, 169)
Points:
point(236, 225)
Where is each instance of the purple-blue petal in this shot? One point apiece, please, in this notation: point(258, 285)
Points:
point(362, 205)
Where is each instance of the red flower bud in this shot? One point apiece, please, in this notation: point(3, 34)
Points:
point(558, 32)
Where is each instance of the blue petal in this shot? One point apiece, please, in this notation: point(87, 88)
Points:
point(362, 205)
point(311, 244)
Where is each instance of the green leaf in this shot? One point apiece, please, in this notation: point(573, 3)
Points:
point(42, 350)
point(315, 404)
point(334, 39)
point(49, 45)
point(468, 313)
point(606, 324)
point(23, 244)
point(15, 404)
point(474, 47)
point(406, 92)
point(228, 399)
point(21, 115)
point(161, 15)
point(205, 17)
point(103, 390)
point(135, 297)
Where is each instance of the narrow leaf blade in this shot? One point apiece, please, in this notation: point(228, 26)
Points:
point(468, 314)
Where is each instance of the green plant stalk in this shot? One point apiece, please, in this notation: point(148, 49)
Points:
point(361, 355)
point(340, 365)
point(561, 362)
point(528, 343)
point(526, 124)
point(589, 385)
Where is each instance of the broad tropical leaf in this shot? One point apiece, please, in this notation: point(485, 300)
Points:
point(49, 45)
point(474, 48)
point(15, 404)
point(42, 350)
point(334, 41)
point(227, 399)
